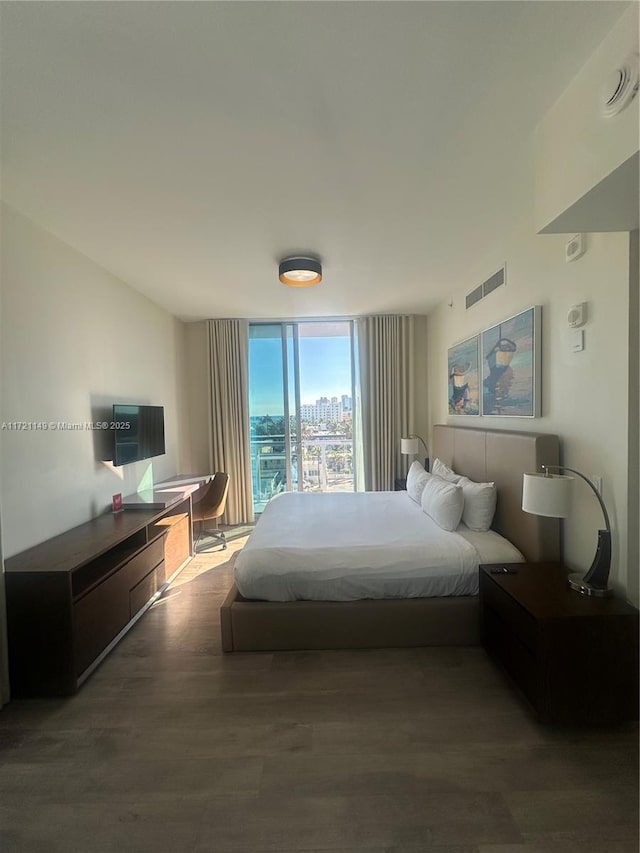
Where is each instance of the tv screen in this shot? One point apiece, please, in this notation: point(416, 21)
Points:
point(138, 433)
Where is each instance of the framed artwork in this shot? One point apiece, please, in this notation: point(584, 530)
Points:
point(463, 378)
point(511, 366)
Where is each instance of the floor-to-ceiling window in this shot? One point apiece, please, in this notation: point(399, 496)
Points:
point(301, 407)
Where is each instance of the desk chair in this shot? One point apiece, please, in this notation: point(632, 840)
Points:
point(210, 508)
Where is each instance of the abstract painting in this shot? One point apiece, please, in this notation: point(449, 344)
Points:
point(511, 366)
point(463, 378)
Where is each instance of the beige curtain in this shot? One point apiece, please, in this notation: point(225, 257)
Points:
point(229, 400)
point(386, 361)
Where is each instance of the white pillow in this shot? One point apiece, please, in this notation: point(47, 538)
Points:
point(439, 469)
point(479, 504)
point(443, 502)
point(416, 480)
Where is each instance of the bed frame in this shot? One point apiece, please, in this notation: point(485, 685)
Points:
point(482, 455)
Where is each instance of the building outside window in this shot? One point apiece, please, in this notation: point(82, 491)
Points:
point(300, 408)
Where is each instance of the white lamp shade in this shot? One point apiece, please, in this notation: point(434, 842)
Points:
point(410, 446)
point(547, 495)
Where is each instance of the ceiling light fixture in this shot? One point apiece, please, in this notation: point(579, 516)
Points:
point(300, 272)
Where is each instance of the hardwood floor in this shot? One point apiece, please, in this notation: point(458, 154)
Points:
point(172, 746)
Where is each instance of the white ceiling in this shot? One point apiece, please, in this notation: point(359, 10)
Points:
point(186, 147)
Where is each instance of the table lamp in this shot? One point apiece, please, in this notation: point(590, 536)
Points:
point(548, 494)
point(410, 446)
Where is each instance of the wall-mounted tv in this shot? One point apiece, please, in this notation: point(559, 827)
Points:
point(138, 433)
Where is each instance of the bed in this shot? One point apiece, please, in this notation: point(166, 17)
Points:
point(394, 595)
point(352, 546)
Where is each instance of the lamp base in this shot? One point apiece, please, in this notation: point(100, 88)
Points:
point(578, 583)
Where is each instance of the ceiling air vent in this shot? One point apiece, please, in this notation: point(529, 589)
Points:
point(487, 287)
point(474, 296)
point(496, 280)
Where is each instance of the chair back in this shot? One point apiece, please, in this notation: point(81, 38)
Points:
point(214, 500)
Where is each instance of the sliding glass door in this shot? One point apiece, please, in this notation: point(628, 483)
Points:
point(267, 412)
point(301, 407)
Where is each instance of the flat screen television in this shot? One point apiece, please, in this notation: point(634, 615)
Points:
point(138, 433)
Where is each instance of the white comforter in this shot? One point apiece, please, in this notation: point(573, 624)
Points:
point(349, 546)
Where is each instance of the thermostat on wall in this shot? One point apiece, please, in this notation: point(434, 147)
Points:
point(577, 315)
point(575, 248)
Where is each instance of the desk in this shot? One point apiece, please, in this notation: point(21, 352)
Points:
point(183, 480)
point(167, 493)
point(153, 499)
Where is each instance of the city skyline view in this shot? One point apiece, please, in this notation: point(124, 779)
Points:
point(319, 453)
point(325, 371)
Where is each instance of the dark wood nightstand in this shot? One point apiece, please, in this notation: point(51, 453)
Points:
point(574, 657)
point(400, 484)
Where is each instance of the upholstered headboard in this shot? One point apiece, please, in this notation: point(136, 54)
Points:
point(488, 455)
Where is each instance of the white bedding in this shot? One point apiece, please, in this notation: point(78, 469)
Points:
point(349, 546)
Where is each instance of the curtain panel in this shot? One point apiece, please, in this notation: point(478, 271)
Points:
point(229, 413)
point(386, 361)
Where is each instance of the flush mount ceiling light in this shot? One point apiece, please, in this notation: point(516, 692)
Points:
point(300, 272)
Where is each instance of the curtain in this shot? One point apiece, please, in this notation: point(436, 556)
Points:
point(229, 413)
point(386, 361)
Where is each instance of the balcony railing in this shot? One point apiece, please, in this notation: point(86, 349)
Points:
point(327, 466)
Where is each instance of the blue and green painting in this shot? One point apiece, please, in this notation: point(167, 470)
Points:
point(508, 367)
point(464, 395)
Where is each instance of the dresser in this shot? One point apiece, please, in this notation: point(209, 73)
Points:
point(72, 598)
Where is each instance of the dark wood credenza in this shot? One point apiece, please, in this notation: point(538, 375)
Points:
point(71, 599)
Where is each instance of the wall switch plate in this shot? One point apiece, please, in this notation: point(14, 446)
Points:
point(577, 340)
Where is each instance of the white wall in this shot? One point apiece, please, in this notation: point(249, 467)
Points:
point(634, 416)
point(576, 147)
point(4, 647)
point(75, 339)
point(588, 398)
point(584, 395)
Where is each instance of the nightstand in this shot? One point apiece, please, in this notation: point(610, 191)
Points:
point(573, 657)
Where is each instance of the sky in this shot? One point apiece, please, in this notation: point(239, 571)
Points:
point(325, 371)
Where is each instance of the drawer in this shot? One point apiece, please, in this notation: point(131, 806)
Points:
point(140, 594)
point(508, 650)
point(98, 617)
point(140, 566)
point(519, 621)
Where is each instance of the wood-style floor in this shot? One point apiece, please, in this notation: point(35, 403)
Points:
point(172, 747)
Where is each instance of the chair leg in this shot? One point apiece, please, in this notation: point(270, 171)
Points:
point(198, 529)
point(219, 540)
